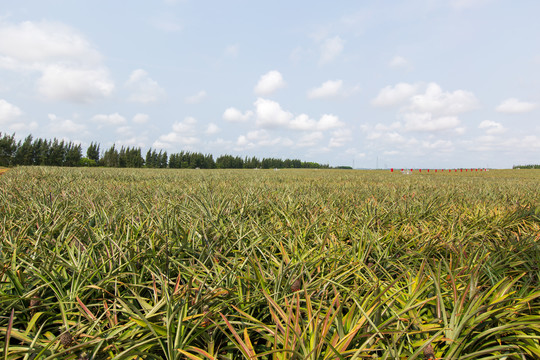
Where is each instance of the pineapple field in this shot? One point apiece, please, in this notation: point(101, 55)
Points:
point(101, 263)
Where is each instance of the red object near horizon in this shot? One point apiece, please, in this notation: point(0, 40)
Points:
point(435, 170)
point(427, 170)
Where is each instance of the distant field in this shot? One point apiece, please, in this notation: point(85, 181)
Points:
point(289, 264)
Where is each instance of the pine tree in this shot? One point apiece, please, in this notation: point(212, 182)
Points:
point(92, 152)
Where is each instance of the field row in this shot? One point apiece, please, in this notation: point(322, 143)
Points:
point(291, 264)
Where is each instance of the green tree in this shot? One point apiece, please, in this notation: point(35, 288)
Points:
point(8, 147)
point(111, 157)
point(92, 152)
point(73, 155)
point(24, 153)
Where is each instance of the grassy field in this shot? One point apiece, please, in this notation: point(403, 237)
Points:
point(290, 264)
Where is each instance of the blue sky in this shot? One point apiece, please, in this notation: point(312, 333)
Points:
point(415, 83)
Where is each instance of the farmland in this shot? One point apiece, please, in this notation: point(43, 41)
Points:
point(100, 263)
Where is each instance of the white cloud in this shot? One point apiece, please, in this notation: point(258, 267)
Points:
point(426, 122)
point(434, 100)
point(34, 44)
point(330, 49)
point(310, 139)
point(305, 123)
point(339, 138)
point(124, 130)
point(398, 62)
point(258, 138)
point(167, 23)
point(70, 67)
point(431, 110)
point(270, 114)
point(143, 88)
point(62, 126)
point(134, 141)
point(234, 115)
point(10, 118)
point(8, 112)
point(111, 119)
point(269, 83)
point(329, 121)
point(232, 50)
point(212, 129)
point(183, 133)
point(328, 89)
point(197, 98)
point(140, 118)
point(438, 145)
point(74, 84)
point(515, 106)
point(492, 127)
point(390, 96)
point(23, 126)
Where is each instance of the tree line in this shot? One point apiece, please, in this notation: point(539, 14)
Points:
point(56, 152)
point(526, 167)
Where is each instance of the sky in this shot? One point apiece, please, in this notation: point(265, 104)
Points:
point(412, 83)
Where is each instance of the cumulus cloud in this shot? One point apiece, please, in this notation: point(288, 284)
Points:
point(270, 114)
point(430, 110)
point(212, 129)
point(398, 62)
point(434, 100)
point(269, 83)
point(492, 127)
point(144, 89)
point(426, 122)
point(8, 112)
point(328, 89)
point(10, 118)
point(197, 98)
point(59, 82)
point(305, 123)
point(111, 119)
point(32, 44)
point(330, 49)
point(339, 138)
point(261, 138)
point(71, 69)
point(515, 106)
point(234, 115)
point(183, 133)
point(310, 139)
point(438, 145)
point(62, 126)
point(140, 118)
point(135, 141)
point(395, 95)
point(232, 50)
